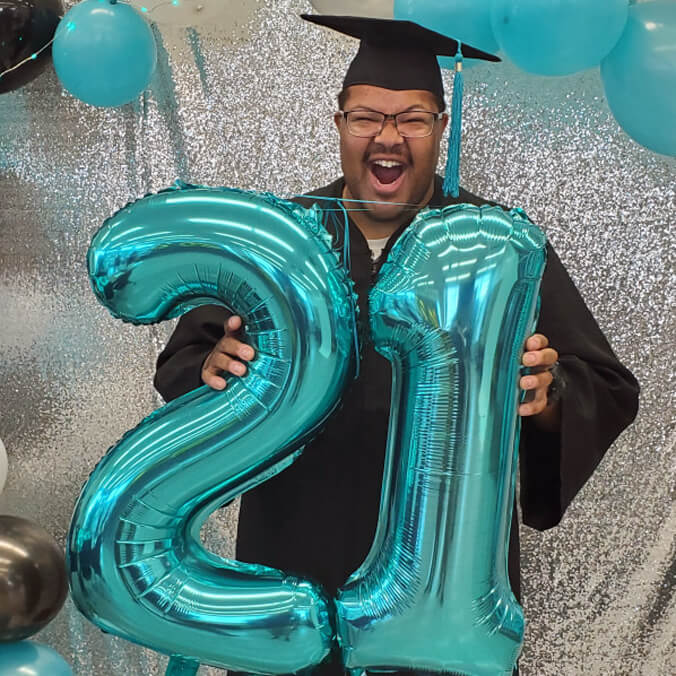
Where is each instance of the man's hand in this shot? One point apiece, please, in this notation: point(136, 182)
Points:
point(226, 355)
point(540, 359)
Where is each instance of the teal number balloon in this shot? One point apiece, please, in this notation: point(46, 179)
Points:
point(452, 309)
point(137, 566)
point(639, 76)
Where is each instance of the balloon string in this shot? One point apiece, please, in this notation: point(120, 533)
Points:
point(144, 10)
point(343, 229)
point(342, 200)
point(32, 57)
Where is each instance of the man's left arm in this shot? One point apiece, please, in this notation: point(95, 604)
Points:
point(583, 398)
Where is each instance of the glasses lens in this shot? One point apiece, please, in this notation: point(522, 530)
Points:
point(415, 123)
point(364, 123)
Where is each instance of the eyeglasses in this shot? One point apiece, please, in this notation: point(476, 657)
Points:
point(409, 124)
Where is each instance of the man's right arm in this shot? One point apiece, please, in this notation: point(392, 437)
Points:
point(204, 345)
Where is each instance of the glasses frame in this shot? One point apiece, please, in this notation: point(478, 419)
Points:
point(393, 116)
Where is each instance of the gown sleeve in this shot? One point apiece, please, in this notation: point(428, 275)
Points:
point(179, 365)
point(598, 399)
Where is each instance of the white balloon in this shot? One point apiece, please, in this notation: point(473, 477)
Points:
point(3, 465)
point(197, 13)
point(376, 9)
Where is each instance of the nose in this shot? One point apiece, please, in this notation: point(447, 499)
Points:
point(389, 134)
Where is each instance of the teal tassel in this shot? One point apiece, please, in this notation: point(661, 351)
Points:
point(452, 173)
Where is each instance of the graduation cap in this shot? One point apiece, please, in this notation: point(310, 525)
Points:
point(401, 55)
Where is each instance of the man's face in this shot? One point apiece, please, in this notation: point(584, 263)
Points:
point(389, 168)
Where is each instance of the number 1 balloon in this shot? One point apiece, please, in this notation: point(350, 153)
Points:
point(452, 309)
point(137, 566)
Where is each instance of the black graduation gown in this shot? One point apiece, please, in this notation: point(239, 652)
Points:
point(317, 518)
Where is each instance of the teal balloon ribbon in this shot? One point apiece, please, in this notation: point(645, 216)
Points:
point(452, 173)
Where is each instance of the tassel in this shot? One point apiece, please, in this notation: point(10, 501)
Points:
point(452, 172)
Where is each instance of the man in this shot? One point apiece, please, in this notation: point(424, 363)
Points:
point(391, 125)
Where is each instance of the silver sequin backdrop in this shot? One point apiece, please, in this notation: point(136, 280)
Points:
point(247, 102)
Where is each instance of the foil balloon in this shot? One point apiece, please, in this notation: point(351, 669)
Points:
point(32, 579)
point(26, 31)
point(137, 567)
point(451, 310)
point(26, 658)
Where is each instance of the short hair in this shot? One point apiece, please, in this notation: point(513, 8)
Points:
point(342, 97)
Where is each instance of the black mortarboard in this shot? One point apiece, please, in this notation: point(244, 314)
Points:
point(396, 54)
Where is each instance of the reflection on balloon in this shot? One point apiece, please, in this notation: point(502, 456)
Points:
point(557, 38)
point(26, 29)
point(104, 53)
point(466, 20)
point(639, 76)
point(137, 568)
point(26, 658)
point(451, 309)
point(3, 466)
point(32, 578)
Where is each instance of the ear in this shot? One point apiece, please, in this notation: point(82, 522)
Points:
point(444, 122)
point(337, 118)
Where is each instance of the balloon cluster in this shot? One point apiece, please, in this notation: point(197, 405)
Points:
point(32, 591)
point(104, 51)
point(634, 44)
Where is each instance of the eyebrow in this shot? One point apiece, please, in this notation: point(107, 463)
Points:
point(415, 106)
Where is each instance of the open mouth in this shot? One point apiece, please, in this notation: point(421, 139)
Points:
point(387, 172)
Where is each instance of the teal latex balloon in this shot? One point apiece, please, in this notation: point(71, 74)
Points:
point(27, 658)
point(468, 21)
point(451, 310)
point(104, 52)
point(639, 76)
point(557, 38)
point(137, 567)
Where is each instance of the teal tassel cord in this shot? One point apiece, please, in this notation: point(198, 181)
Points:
point(452, 172)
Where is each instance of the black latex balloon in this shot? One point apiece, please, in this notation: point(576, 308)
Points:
point(33, 582)
point(26, 26)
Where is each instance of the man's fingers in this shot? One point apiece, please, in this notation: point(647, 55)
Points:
point(235, 348)
point(544, 357)
point(218, 362)
point(537, 342)
point(232, 346)
point(234, 323)
point(213, 381)
point(536, 406)
point(536, 381)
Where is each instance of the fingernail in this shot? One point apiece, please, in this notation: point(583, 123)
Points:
point(529, 358)
point(246, 353)
point(238, 369)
